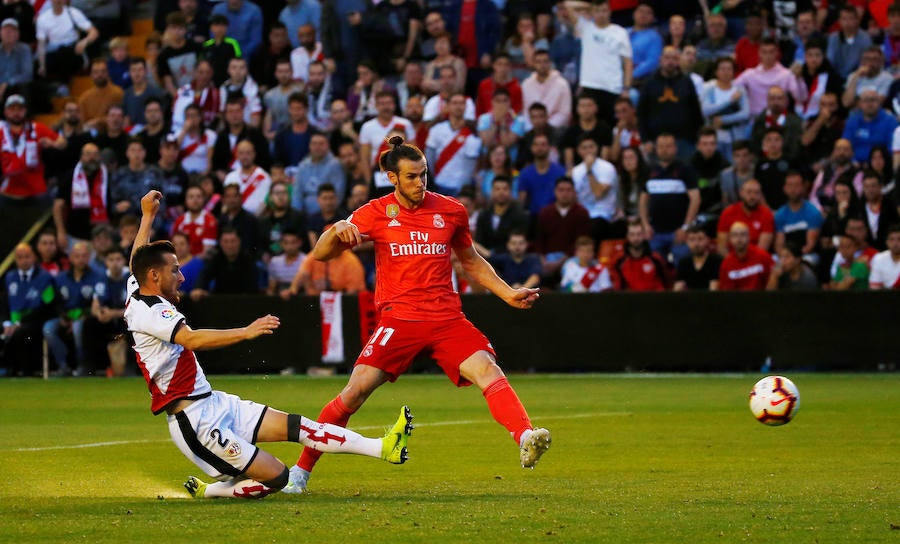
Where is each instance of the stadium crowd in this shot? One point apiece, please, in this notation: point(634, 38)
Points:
point(606, 145)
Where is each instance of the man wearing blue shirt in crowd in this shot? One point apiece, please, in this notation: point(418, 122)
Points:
point(798, 221)
point(76, 288)
point(107, 313)
point(319, 167)
point(538, 180)
point(245, 23)
point(516, 267)
point(646, 43)
point(30, 294)
point(869, 125)
point(298, 13)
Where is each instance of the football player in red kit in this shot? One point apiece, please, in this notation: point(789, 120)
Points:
point(414, 231)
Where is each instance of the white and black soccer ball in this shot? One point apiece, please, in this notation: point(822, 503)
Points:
point(774, 400)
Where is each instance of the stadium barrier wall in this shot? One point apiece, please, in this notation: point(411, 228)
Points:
point(603, 332)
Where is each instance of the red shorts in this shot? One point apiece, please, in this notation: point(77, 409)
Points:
point(396, 343)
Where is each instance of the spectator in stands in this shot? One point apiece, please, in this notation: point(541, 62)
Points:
point(414, 112)
point(264, 61)
point(725, 105)
point(499, 164)
point(195, 141)
point(76, 289)
point(870, 125)
point(821, 134)
point(501, 78)
point(820, 78)
point(732, 178)
point(275, 100)
point(136, 95)
point(847, 210)
point(669, 104)
point(500, 125)
point(870, 75)
point(83, 199)
point(96, 101)
point(698, 271)
point(219, 49)
point(237, 130)
point(101, 242)
point(627, 132)
point(537, 180)
point(319, 90)
point(50, 257)
point(201, 92)
point(715, 46)
point(840, 167)
point(606, 65)
point(434, 27)
point(633, 172)
point(341, 126)
point(283, 268)
point(113, 137)
point(179, 57)
point(61, 48)
point(363, 94)
point(881, 213)
point(359, 195)
point(298, 13)
point(189, 265)
point(59, 162)
point(304, 54)
point(639, 269)
point(502, 216)
point(245, 22)
point(750, 211)
point(348, 156)
point(16, 60)
point(797, 221)
point(586, 124)
point(154, 131)
point(516, 266)
point(708, 163)
point(329, 211)
point(521, 44)
point(746, 50)
point(558, 227)
point(791, 273)
point(174, 180)
point(344, 273)
point(767, 74)
point(132, 180)
point(253, 181)
point(746, 267)
point(453, 149)
point(646, 43)
point(291, 144)
point(548, 87)
point(22, 146)
point(199, 225)
point(436, 109)
point(669, 200)
point(392, 29)
point(196, 20)
point(845, 47)
point(676, 34)
point(597, 186)
point(279, 218)
point(805, 31)
point(773, 167)
point(233, 214)
point(538, 118)
point(30, 297)
point(231, 270)
point(106, 323)
point(853, 272)
point(22, 12)
point(582, 273)
point(475, 26)
point(880, 164)
point(240, 84)
point(117, 63)
point(319, 167)
point(411, 84)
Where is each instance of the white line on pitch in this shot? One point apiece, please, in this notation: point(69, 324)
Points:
point(363, 428)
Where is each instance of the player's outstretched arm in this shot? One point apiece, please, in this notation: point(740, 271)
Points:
point(202, 339)
point(484, 274)
point(342, 235)
point(149, 207)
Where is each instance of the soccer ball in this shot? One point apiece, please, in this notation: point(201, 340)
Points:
point(774, 400)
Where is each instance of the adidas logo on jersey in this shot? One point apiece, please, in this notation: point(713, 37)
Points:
point(394, 223)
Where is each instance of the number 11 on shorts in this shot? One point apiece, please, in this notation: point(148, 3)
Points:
point(388, 332)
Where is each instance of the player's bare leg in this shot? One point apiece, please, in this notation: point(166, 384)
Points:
point(363, 381)
point(481, 369)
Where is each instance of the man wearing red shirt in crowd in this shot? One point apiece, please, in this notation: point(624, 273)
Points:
point(501, 78)
point(640, 269)
point(747, 267)
point(199, 225)
point(414, 231)
point(751, 212)
point(746, 51)
point(20, 151)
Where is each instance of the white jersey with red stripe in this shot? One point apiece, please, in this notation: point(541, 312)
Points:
point(172, 371)
point(194, 152)
point(453, 155)
point(254, 187)
point(374, 133)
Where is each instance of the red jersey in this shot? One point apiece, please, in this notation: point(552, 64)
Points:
point(486, 94)
point(647, 273)
point(20, 160)
point(202, 230)
point(759, 221)
point(748, 274)
point(412, 255)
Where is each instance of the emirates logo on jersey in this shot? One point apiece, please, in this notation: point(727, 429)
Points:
point(438, 221)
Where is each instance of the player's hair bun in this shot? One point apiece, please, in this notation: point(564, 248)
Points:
point(396, 141)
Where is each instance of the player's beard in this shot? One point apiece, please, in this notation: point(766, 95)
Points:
point(412, 197)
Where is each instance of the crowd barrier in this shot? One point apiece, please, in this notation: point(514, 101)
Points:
point(608, 332)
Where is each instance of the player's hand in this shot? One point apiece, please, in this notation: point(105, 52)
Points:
point(150, 203)
point(263, 325)
point(347, 232)
point(524, 298)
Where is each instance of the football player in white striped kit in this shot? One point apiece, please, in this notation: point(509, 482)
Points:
point(215, 430)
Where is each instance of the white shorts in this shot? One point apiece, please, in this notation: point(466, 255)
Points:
point(218, 433)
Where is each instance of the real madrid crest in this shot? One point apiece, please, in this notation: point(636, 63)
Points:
point(392, 210)
point(438, 221)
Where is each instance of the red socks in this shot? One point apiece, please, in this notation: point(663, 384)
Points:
point(334, 412)
point(506, 407)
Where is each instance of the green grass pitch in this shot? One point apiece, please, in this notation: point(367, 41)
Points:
point(634, 459)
